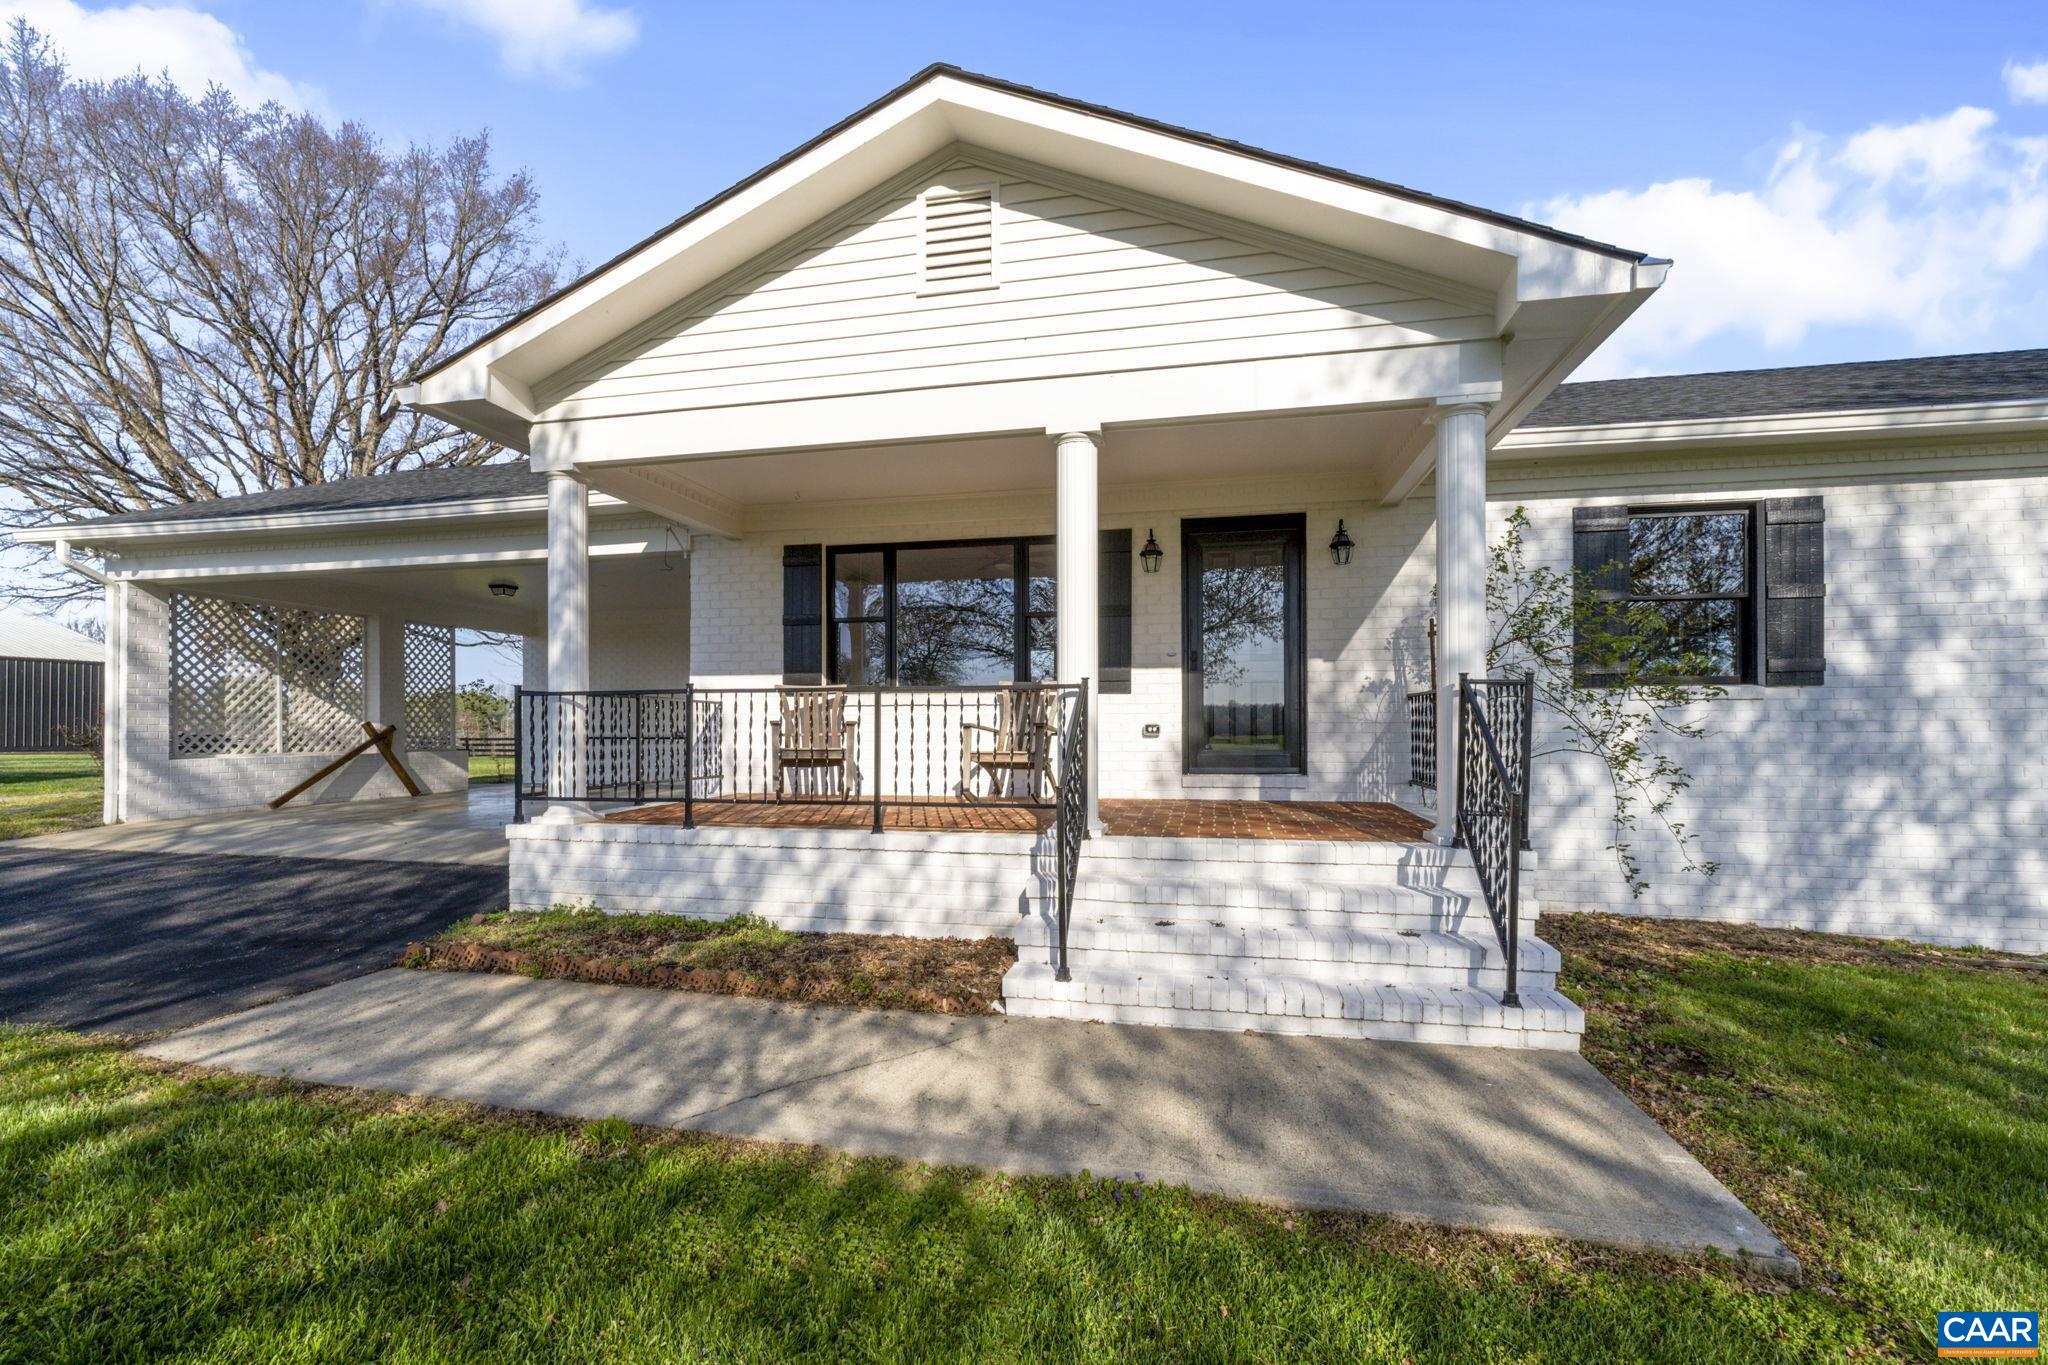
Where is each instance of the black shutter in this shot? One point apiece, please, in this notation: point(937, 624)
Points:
point(1599, 558)
point(803, 614)
point(1795, 592)
point(1113, 606)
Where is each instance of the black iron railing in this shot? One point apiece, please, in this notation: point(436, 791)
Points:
point(863, 747)
point(1493, 799)
point(1422, 740)
point(1070, 825)
point(1510, 708)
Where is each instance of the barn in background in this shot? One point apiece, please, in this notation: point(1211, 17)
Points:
point(51, 683)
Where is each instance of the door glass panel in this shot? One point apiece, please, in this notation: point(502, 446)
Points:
point(863, 654)
point(1041, 625)
point(857, 585)
point(956, 615)
point(1244, 647)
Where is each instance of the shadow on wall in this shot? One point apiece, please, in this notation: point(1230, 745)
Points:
point(1907, 796)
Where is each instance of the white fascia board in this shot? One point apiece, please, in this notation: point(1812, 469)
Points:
point(1885, 424)
point(320, 523)
point(328, 557)
point(944, 110)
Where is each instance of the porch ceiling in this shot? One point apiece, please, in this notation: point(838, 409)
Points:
point(1366, 445)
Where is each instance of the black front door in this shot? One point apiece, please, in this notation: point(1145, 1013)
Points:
point(1241, 593)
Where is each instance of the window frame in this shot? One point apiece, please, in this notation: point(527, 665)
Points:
point(1021, 613)
point(1748, 619)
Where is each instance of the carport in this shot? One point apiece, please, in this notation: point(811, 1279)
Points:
point(250, 640)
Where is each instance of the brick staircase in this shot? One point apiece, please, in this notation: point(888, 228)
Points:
point(1336, 938)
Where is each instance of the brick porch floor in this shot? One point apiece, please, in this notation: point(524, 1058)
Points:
point(1363, 821)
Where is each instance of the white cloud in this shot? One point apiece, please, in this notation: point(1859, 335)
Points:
point(1936, 230)
point(195, 48)
point(549, 38)
point(2027, 83)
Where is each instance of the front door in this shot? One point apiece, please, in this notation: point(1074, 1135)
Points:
point(1241, 593)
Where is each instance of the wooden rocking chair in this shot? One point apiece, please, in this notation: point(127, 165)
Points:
point(1021, 740)
point(813, 734)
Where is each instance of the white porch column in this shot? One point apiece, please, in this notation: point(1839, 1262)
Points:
point(568, 638)
point(1460, 585)
point(1077, 531)
point(114, 706)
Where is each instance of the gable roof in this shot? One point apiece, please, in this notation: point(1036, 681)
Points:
point(1552, 294)
point(1863, 385)
point(23, 636)
point(937, 69)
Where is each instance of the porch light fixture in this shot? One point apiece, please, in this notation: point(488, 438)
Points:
point(503, 589)
point(1340, 545)
point(1151, 554)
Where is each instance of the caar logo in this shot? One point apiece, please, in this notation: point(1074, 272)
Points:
point(1987, 1334)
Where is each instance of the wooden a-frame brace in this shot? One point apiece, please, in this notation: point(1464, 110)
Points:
point(380, 737)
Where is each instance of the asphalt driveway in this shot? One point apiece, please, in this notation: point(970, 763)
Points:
point(131, 942)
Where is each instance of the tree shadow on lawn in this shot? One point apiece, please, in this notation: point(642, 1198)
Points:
point(1880, 1105)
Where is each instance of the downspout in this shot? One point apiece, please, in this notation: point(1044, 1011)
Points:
point(77, 565)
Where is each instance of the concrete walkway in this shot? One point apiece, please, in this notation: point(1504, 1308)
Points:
point(465, 827)
point(1511, 1141)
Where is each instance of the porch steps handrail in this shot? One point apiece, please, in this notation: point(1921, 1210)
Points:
point(1070, 821)
point(1492, 818)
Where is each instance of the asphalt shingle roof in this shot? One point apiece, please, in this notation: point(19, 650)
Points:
point(1930, 382)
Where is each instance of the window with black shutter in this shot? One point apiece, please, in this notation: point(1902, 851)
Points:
point(1795, 592)
point(1701, 593)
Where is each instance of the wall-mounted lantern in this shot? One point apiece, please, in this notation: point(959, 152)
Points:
point(1151, 554)
point(503, 589)
point(1340, 545)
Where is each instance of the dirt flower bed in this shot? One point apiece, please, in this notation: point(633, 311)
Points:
point(745, 955)
point(1633, 942)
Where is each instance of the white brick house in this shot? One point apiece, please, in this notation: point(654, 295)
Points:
point(987, 388)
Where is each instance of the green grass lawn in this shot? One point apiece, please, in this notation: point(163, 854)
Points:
point(44, 793)
point(483, 768)
point(1884, 1115)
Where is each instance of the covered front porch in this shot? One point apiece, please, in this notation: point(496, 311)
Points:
point(1122, 817)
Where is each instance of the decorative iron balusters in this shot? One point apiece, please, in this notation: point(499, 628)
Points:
point(1492, 798)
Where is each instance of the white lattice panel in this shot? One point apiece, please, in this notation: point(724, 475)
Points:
point(247, 679)
point(429, 686)
point(320, 662)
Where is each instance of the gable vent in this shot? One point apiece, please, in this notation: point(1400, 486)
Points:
point(958, 239)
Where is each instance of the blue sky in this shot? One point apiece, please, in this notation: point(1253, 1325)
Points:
point(1836, 181)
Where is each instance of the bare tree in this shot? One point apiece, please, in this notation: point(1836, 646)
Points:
point(199, 299)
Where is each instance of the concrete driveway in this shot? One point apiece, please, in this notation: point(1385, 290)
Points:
point(465, 827)
point(133, 941)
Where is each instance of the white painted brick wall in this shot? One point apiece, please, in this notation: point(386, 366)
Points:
point(1909, 795)
point(901, 882)
point(645, 647)
point(160, 786)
